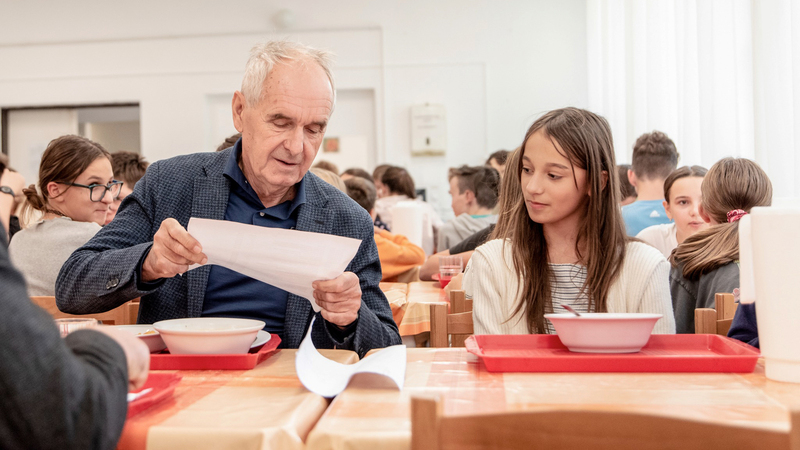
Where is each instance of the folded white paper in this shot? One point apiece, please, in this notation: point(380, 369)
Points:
point(328, 378)
point(287, 259)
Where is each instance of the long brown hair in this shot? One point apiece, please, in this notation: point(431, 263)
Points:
point(731, 183)
point(586, 139)
point(510, 202)
point(64, 159)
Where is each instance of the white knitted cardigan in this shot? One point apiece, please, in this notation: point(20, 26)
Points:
point(491, 283)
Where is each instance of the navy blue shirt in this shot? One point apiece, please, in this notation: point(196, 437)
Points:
point(231, 294)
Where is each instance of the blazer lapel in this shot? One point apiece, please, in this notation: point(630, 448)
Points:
point(210, 200)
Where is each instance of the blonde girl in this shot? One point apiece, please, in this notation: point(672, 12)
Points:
point(560, 238)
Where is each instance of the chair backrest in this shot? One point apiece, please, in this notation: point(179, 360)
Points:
point(451, 329)
point(717, 320)
point(581, 429)
point(120, 315)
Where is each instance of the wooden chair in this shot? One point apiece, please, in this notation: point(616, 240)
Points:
point(120, 315)
point(457, 326)
point(717, 320)
point(583, 429)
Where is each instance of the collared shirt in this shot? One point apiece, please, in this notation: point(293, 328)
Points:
point(231, 294)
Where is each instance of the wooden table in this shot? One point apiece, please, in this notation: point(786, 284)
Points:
point(417, 317)
point(369, 417)
point(263, 408)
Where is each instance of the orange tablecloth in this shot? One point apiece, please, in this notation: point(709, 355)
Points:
point(417, 317)
point(369, 417)
point(263, 408)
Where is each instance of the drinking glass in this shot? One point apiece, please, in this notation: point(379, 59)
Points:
point(449, 266)
point(67, 326)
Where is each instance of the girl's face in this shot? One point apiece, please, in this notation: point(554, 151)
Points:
point(554, 190)
point(683, 204)
point(75, 202)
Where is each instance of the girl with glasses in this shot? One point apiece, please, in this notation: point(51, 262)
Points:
point(74, 191)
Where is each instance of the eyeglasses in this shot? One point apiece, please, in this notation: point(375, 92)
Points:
point(98, 191)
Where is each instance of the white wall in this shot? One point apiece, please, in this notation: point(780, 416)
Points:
point(494, 65)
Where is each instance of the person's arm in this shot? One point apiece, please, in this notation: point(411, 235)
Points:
point(431, 266)
point(59, 393)
point(483, 283)
point(397, 253)
point(656, 298)
point(105, 272)
point(745, 327)
point(16, 183)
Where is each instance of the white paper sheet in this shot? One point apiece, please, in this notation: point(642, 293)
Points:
point(288, 259)
point(328, 378)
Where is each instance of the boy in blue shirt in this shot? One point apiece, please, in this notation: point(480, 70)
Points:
point(654, 157)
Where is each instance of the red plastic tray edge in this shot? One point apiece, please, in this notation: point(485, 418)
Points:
point(163, 385)
point(245, 361)
point(736, 356)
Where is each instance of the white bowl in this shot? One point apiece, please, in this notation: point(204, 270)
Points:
point(152, 338)
point(604, 332)
point(208, 335)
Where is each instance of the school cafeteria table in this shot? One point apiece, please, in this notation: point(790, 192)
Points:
point(379, 417)
point(417, 317)
point(262, 408)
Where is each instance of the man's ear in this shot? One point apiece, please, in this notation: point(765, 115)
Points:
point(470, 196)
point(237, 108)
point(631, 178)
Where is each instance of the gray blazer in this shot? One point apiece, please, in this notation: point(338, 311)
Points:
point(103, 274)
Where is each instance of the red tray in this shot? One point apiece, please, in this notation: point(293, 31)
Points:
point(243, 361)
point(663, 353)
point(162, 385)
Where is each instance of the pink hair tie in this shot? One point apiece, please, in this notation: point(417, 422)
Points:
point(735, 215)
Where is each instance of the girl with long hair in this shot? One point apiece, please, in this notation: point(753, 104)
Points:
point(706, 263)
point(76, 186)
point(682, 204)
point(560, 238)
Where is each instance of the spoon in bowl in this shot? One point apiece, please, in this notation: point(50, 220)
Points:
point(569, 308)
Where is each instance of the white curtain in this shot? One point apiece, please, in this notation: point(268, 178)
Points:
point(720, 77)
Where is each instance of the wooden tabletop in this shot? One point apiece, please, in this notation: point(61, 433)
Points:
point(367, 417)
point(262, 408)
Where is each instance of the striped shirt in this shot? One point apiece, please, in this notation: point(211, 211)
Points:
point(567, 282)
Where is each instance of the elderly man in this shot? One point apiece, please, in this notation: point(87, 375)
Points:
point(282, 111)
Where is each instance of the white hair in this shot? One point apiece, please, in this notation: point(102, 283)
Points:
point(263, 57)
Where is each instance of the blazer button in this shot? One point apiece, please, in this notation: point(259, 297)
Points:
point(112, 283)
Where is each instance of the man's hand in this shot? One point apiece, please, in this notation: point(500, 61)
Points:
point(339, 298)
point(174, 250)
point(136, 353)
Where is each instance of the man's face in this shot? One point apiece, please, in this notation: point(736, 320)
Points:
point(460, 202)
point(282, 133)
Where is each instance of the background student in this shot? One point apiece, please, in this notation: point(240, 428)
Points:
point(654, 158)
point(706, 263)
point(562, 240)
point(682, 204)
point(129, 168)
point(76, 187)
